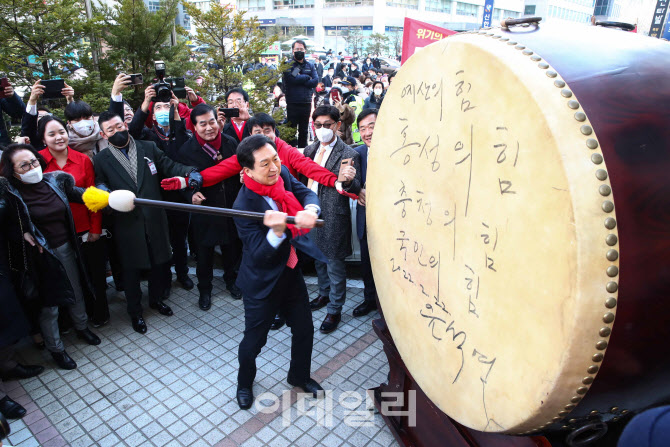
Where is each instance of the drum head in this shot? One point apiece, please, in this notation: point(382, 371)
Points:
point(488, 206)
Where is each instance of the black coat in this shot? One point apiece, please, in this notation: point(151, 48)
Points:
point(212, 230)
point(230, 131)
point(54, 287)
point(142, 224)
point(299, 88)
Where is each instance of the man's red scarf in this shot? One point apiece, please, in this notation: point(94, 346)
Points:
point(215, 143)
point(239, 131)
point(284, 199)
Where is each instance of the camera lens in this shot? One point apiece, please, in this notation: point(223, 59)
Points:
point(163, 92)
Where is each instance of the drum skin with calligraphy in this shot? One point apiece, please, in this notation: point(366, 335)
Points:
point(518, 194)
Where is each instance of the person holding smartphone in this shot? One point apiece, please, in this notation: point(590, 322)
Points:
point(12, 105)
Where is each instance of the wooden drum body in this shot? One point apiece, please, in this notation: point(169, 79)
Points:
point(519, 221)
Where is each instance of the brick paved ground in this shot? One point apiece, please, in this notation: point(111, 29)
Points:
point(175, 386)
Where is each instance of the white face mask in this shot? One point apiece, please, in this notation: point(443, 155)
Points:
point(33, 176)
point(84, 127)
point(324, 135)
point(282, 103)
point(378, 91)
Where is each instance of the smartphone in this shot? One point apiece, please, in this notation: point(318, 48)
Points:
point(179, 87)
point(230, 113)
point(335, 96)
point(296, 71)
point(4, 83)
point(136, 79)
point(52, 88)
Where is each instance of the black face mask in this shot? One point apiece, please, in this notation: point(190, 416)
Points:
point(299, 55)
point(120, 139)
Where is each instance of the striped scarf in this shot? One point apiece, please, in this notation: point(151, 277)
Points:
point(130, 163)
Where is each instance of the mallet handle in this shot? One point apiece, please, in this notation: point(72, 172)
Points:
point(214, 211)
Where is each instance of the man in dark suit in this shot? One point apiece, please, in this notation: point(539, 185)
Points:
point(366, 125)
point(142, 234)
point(334, 239)
point(319, 68)
point(328, 78)
point(207, 148)
point(269, 277)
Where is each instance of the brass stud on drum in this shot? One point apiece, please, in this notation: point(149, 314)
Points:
point(596, 159)
point(520, 47)
point(612, 255)
point(591, 143)
point(608, 206)
point(586, 130)
point(551, 74)
point(625, 411)
point(579, 116)
point(573, 421)
point(574, 105)
point(558, 83)
point(610, 223)
point(608, 318)
point(601, 345)
point(575, 399)
point(511, 42)
point(594, 412)
point(593, 368)
point(504, 39)
point(535, 58)
point(581, 390)
point(587, 380)
point(527, 52)
point(611, 239)
point(563, 413)
point(604, 332)
point(614, 409)
point(597, 358)
point(612, 287)
point(612, 271)
point(570, 407)
point(556, 419)
point(543, 65)
point(604, 190)
point(610, 302)
point(496, 37)
point(615, 419)
point(566, 93)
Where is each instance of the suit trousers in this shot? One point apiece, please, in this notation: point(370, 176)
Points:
point(290, 297)
point(369, 289)
point(95, 257)
point(178, 222)
point(7, 363)
point(66, 255)
point(333, 283)
point(159, 280)
point(230, 260)
point(298, 115)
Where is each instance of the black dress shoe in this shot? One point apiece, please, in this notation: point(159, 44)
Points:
point(234, 291)
point(63, 360)
point(319, 302)
point(365, 308)
point(205, 301)
point(22, 372)
point(310, 386)
point(186, 283)
point(11, 409)
point(162, 308)
point(88, 336)
point(139, 325)
point(277, 323)
point(330, 323)
point(245, 397)
point(99, 323)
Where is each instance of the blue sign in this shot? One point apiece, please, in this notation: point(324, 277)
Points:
point(267, 21)
point(488, 13)
point(666, 30)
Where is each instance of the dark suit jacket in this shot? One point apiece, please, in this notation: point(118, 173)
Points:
point(327, 81)
point(212, 230)
point(134, 228)
point(360, 210)
point(334, 239)
point(262, 264)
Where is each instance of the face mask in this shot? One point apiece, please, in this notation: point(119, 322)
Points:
point(330, 73)
point(299, 55)
point(324, 135)
point(282, 103)
point(84, 127)
point(33, 176)
point(163, 117)
point(378, 91)
point(319, 89)
point(119, 139)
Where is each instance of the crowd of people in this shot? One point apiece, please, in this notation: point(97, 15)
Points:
point(56, 254)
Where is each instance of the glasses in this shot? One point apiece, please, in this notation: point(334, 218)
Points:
point(235, 101)
point(25, 167)
point(326, 125)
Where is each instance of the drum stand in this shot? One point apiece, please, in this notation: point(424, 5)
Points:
point(432, 427)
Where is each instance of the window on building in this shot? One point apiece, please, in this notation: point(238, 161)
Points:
point(513, 14)
point(529, 10)
point(153, 6)
point(187, 22)
point(466, 9)
point(251, 5)
point(346, 3)
point(293, 4)
point(438, 6)
point(408, 4)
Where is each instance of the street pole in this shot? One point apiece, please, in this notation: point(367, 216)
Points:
point(94, 51)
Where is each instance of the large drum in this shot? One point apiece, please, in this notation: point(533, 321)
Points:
point(519, 224)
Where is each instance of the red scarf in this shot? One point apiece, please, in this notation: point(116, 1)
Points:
point(239, 132)
point(215, 144)
point(284, 199)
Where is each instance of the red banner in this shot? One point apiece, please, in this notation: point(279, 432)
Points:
point(418, 34)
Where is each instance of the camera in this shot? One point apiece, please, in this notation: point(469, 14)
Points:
point(163, 89)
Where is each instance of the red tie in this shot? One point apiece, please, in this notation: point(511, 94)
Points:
point(293, 256)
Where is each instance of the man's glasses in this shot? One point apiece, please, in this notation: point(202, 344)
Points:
point(235, 101)
point(25, 167)
point(326, 125)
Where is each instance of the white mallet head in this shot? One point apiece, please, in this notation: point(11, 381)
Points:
point(122, 200)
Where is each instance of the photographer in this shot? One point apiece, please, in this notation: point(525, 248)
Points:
point(237, 98)
point(12, 105)
point(183, 109)
point(299, 83)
